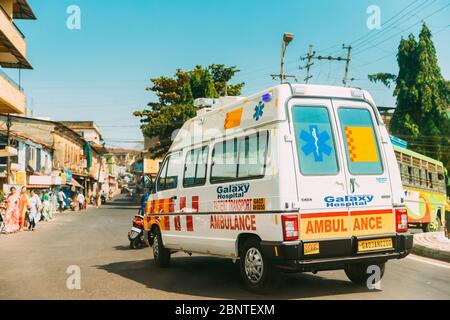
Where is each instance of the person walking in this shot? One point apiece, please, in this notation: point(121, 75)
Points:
point(23, 206)
point(34, 214)
point(80, 199)
point(12, 212)
point(61, 201)
point(46, 209)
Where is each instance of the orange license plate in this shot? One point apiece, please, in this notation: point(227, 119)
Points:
point(374, 245)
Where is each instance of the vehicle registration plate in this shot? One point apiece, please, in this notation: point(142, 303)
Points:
point(376, 244)
point(311, 248)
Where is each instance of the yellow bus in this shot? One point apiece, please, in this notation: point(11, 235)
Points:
point(425, 189)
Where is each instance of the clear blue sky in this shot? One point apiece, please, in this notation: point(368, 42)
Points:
point(100, 72)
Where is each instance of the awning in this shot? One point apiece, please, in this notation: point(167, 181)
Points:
point(39, 186)
point(74, 183)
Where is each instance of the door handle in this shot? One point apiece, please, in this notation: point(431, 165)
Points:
point(352, 185)
point(174, 198)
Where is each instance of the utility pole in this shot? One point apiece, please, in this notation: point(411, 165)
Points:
point(309, 64)
point(347, 63)
point(331, 58)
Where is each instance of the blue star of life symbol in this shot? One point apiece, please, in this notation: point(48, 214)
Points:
point(316, 143)
point(259, 111)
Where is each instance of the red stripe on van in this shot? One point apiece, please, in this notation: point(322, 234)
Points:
point(161, 206)
point(195, 203)
point(368, 212)
point(167, 223)
point(171, 205)
point(177, 223)
point(189, 219)
point(182, 203)
point(324, 214)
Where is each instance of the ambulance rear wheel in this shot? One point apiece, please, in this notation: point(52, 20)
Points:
point(161, 255)
point(258, 274)
point(359, 273)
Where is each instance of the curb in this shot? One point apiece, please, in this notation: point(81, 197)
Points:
point(429, 252)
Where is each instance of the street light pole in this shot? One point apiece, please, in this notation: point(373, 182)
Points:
point(287, 38)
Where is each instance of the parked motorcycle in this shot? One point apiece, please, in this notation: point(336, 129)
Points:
point(103, 198)
point(136, 234)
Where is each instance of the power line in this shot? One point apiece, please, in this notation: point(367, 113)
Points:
point(361, 50)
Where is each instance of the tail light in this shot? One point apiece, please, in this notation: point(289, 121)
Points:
point(290, 227)
point(139, 222)
point(401, 220)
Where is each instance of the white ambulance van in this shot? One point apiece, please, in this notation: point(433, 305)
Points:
point(296, 178)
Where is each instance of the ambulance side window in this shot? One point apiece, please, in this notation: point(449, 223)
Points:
point(195, 167)
point(252, 155)
point(360, 141)
point(241, 158)
point(168, 178)
point(224, 161)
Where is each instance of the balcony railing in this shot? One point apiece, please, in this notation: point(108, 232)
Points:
point(11, 81)
point(12, 33)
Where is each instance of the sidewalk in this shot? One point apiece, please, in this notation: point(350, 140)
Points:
point(432, 245)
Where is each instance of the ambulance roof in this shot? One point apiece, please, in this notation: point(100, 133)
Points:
point(263, 107)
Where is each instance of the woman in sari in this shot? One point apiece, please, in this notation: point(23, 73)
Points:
point(24, 204)
point(34, 215)
point(12, 212)
point(46, 210)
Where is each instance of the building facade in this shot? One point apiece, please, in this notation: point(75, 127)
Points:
point(13, 54)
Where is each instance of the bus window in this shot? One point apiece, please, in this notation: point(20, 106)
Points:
point(416, 177)
point(430, 180)
point(423, 178)
point(410, 175)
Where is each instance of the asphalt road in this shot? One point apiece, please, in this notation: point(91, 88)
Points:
point(33, 265)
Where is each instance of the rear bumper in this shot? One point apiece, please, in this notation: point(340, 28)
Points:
point(334, 254)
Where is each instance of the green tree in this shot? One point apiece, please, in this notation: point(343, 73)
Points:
point(423, 97)
point(176, 97)
point(221, 76)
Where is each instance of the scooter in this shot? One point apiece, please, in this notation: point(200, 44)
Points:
point(103, 198)
point(136, 234)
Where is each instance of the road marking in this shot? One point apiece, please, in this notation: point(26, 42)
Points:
point(429, 261)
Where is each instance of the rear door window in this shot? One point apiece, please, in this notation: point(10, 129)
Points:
point(360, 141)
point(315, 142)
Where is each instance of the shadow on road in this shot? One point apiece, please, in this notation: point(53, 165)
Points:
point(219, 278)
point(121, 203)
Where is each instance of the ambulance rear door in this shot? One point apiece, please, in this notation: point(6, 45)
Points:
point(321, 180)
point(365, 166)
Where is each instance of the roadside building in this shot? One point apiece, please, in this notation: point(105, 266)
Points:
point(64, 166)
point(124, 158)
point(95, 151)
point(13, 54)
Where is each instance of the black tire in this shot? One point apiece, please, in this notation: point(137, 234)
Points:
point(161, 255)
point(357, 273)
point(258, 274)
point(134, 244)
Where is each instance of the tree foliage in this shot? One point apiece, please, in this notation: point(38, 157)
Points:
point(176, 97)
point(423, 96)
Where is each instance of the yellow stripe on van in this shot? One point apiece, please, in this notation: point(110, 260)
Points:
point(361, 144)
point(233, 119)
